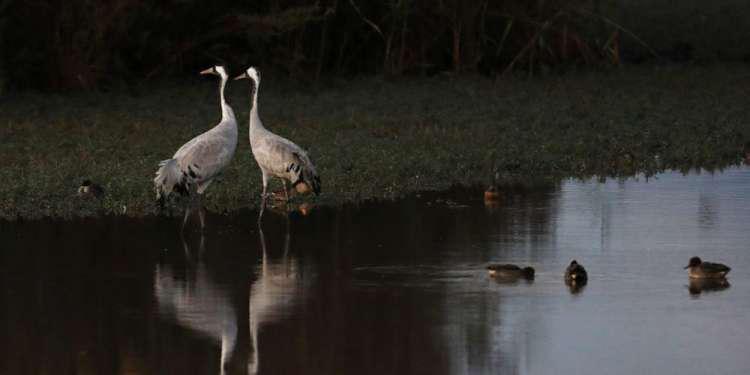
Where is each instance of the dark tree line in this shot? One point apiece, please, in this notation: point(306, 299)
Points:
point(88, 44)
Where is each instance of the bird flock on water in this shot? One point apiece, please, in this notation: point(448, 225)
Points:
point(704, 276)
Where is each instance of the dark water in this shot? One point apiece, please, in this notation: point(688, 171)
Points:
point(392, 288)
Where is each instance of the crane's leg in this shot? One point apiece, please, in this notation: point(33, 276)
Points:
point(286, 190)
point(265, 186)
point(201, 212)
point(286, 196)
point(192, 195)
point(188, 208)
point(263, 196)
point(260, 214)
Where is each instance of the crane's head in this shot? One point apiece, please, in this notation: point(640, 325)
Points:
point(250, 73)
point(217, 70)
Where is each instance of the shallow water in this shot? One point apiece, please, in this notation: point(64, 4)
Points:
point(392, 287)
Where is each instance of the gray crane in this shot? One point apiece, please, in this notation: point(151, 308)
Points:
point(195, 165)
point(276, 155)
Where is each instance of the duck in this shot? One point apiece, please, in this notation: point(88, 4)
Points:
point(510, 272)
point(698, 269)
point(90, 189)
point(492, 194)
point(575, 273)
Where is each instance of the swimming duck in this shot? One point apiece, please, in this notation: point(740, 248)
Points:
point(698, 269)
point(510, 272)
point(90, 189)
point(575, 273)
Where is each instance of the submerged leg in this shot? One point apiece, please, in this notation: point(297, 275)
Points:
point(188, 208)
point(262, 206)
point(286, 196)
point(192, 194)
point(260, 214)
point(263, 197)
point(287, 239)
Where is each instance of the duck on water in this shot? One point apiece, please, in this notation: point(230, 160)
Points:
point(698, 269)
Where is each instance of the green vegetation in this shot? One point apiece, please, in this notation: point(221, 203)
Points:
point(373, 138)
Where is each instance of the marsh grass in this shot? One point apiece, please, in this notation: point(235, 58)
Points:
point(377, 139)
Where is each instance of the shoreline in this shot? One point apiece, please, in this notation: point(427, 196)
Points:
point(375, 139)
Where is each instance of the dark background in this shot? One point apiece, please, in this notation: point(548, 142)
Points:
point(85, 44)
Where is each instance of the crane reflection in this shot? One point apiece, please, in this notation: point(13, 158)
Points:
point(277, 288)
point(197, 302)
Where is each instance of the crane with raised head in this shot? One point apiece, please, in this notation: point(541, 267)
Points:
point(195, 165)
point(277, 156)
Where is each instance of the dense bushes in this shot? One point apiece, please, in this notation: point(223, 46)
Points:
point(85, 44)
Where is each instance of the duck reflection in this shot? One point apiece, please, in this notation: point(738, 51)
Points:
point(276, 289)
point(698, 286)
point(197, 302)
point(576, 286)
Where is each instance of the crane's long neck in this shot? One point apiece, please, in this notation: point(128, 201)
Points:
point(254, 118)
point(226, 110)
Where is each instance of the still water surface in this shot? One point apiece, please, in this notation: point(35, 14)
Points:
point(392, 288)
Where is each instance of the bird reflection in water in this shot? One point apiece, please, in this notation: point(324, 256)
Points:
point(276, 289)
point(698, 286)
point(197, 303)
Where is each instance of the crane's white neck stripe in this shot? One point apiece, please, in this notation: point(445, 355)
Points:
point(254, 119)
point(225, 110)
point(255, 87)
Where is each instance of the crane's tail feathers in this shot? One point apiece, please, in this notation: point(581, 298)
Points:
point(316, 184)
point(169, 178)
point(303, 171)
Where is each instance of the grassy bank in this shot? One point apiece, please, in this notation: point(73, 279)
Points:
point(377, 139)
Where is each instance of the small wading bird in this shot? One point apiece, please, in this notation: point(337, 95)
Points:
point(195, 165)
point(698, 269)
point(277, 156)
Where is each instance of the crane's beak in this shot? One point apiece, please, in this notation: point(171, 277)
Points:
point(208, 71)
point(242, 76)
point(686, 267)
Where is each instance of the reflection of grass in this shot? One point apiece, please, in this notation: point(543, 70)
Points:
point(378, 139)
